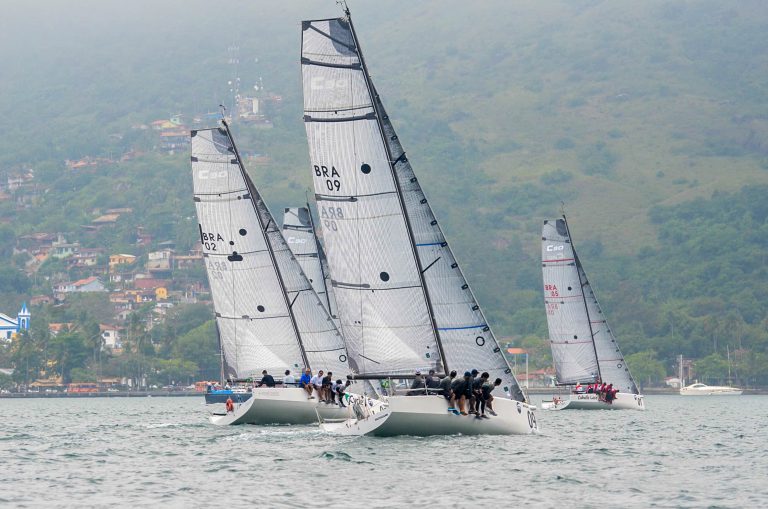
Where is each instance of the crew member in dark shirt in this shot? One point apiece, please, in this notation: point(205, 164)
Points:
point(477, 392)
point(462, 391)
point(266, 379)
point(327, 381)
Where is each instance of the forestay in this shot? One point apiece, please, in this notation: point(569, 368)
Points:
point(266, 311)
point(570, 335)
point(299, 232)
point(398, 285)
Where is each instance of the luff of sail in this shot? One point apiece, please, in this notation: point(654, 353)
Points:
point(387, 226)
point(299, 233)
point(266, 311)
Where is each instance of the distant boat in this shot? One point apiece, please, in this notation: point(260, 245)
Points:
point(267, 314)
point(404, 303)
point(699, 389)
point(584, 349)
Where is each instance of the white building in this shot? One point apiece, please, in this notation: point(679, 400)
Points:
point(10, 326)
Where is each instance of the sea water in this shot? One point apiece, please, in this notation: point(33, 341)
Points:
point(139, 452)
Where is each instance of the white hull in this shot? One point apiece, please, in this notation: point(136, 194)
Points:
point(707, 390)
point(279, 405)
point(428, 415)
point(623, 401)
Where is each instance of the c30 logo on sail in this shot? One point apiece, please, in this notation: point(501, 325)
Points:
point(322, 83)
point(552, 247)
point(208, 174)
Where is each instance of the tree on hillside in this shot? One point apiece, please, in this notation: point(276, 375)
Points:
point(27, 358)
point(201, 346)
point(68, 350)
point(712, 368)
point(646, 368)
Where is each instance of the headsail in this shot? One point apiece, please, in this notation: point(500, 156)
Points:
point(299, 232)
point(613, 367)
point(266, 311)
point(583, 346)
point(402, 298)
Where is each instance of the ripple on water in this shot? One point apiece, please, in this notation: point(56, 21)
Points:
point(124, 452)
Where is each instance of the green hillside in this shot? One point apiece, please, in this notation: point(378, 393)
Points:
point(648, 120)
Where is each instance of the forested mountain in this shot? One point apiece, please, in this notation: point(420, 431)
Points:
point(647, 120)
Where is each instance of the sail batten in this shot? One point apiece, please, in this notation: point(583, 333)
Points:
point(584, 349)
point(384, 234)
point(267, 315)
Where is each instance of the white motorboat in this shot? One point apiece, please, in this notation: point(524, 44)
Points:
point(700, 389)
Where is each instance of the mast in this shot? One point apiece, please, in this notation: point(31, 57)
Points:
point(253, 193)
point(583, 297)
point(374, 104)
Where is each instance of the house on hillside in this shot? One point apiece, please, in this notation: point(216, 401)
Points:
point(117, 260)
point(63, 249)
point(160, 261)
point(55, 328)
point(89, 284)
point(41, 300)
point(86, 257)
point(9, 327)
point(111, 336)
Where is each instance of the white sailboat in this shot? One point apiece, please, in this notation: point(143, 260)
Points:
point(403, 301)
point(267, 313)
point(584, 349)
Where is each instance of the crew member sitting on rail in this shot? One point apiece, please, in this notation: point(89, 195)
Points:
point(417, 386)
point(305, 382)
point(432, 382)
point(266, 379)
point(477, 392)
point(317, 384)
point(289, 380)
point(327, 395)
point(230, 405)
point(579, 389)
point(487, 396)
point(462, 391)
point(445, 389)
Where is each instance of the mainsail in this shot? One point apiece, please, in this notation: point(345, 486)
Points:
point(267, 314)
point(403, 300)
point(299, 232)
point(584, 348)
